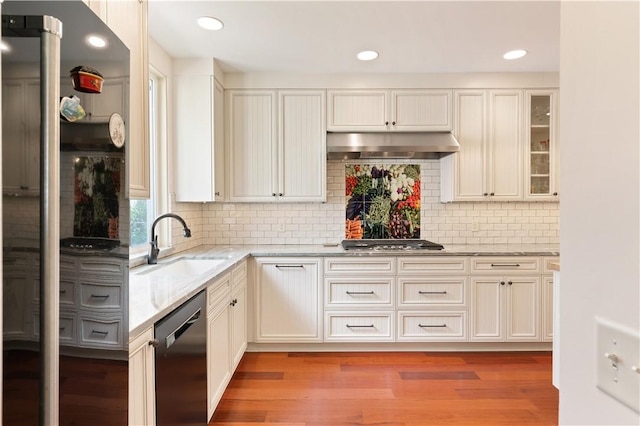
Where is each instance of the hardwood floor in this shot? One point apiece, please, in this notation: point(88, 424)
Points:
point(399, 389)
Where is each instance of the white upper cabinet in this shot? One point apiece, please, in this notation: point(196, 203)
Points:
point(128, 20)
point(489, 164)
point(541, 145)
point(389, 110)
point(21, 137)
point(277, 145)
point(302, 146)
point(199, 131)
point(505, 145)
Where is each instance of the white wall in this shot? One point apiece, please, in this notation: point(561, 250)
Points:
point(599, 213)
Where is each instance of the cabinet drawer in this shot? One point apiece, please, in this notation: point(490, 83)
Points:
point(105, 267)
point(67, 292)
point(239, 274)
point(218, 292)
point(418, 326)
point(547, 261)
point(100, 296)
point(67, 327)
point(359, 265)
point(511, 265)
point(100, 332)
point(346, 292)
point(432, 265)
point(432, 291)
point(359, 327)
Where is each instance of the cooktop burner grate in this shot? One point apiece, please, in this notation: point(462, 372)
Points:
point(390, 245)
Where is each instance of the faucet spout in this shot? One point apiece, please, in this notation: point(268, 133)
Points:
point(152, 259)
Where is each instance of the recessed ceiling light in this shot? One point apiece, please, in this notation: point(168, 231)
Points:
point(515, 54)
point(96, 41)
point(367, 55)
point(209, 23)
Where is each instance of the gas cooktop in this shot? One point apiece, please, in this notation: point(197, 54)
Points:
point(390, 245)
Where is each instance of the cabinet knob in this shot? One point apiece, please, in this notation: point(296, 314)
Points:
point(155, 343)
point(393, 123)
point(217, 194)
point(510, 282)
point(485, 194)
point(273, 194)
point(555, 193)
point(280, 194)
point(234, 302)
point(386, 123)
point(501, 282)
point(492, 194)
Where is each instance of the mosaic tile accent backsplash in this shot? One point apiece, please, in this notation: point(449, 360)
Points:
point(382, 201)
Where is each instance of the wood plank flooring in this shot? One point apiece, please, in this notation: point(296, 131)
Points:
point(390, 389)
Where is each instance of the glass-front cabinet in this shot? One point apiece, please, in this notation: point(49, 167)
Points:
point(541, 163)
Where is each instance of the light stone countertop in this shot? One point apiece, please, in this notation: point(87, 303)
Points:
point(153, 297)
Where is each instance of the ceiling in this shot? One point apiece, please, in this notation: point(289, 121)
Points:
point(324, 36)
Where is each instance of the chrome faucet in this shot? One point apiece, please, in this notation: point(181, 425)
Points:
point(152, 259)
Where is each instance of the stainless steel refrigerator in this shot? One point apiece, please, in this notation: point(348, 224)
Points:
point(65, 218)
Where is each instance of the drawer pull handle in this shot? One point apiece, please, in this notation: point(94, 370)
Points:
point(361, 326)
point(432, 292)
point(290, 266)
point(100, 296)
point(432, 325)
point(100, 333)
point(63, 291)
point(359, 292)
point(505, 265)
point(61, 329)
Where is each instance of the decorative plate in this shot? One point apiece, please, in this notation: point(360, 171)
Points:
point(116, 129)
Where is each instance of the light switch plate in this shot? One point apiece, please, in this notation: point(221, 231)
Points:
point(618, 362)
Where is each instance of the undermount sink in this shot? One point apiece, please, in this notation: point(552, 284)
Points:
point(183, 267)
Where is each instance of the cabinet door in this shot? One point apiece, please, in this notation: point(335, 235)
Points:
point(142, 380)
point(14, 136)
point(218, 356)
point(541, 147)
point(505, 147)
point(99, 107)
point(486, 309)
point(464, 175)
point(238, 325)
point(547, 308)
point(522, 309)
point(358, 110)
point(302, 146)
point(421, 110)
point(128, 19)
point(194, 155)
point(252, 127)
point(288, 300)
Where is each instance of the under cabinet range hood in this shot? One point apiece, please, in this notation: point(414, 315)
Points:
point(421, 145)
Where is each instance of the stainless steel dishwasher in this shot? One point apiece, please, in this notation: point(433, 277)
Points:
point(181, 365)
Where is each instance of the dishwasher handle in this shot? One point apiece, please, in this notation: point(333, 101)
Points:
point(171, 338)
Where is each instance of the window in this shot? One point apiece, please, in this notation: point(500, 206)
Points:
point(143, 212)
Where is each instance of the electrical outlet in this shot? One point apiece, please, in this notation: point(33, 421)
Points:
point(280, 226)
point(618, 362)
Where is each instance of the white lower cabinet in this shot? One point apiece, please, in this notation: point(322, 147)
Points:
point(505, 308)
point(547, 308)
point(432, 299)
point(238, 313)
point(226, 331)
point(288, 300)
point(142, 409)
point(218, 341)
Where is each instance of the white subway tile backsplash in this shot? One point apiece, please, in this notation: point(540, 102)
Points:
point(317, 223)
